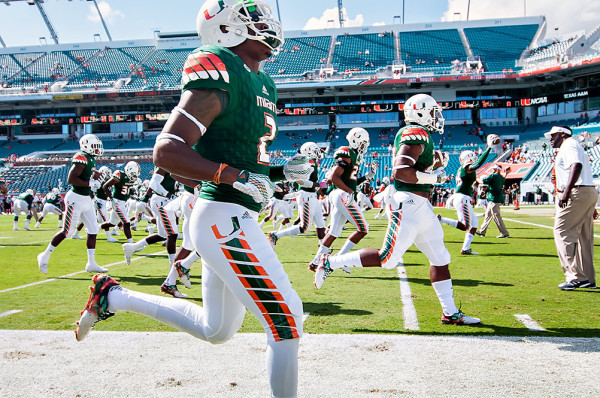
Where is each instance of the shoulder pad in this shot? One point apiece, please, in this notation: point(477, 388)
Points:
point(117, 175)
point(80, 158)
point(414, 134)
point(342, 151)
point(204, 65)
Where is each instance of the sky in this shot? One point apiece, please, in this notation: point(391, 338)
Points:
point(77, 20)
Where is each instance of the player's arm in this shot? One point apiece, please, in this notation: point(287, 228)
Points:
point(474, 166)
point(74, 177)
point(109, 184)
point(173, 151)
point(404, 161)
point(336, 175)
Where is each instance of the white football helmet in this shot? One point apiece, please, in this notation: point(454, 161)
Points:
point(386, 181)
point(311, 150)
point(105, 171)
point(132, 170)
point(241, 20)
point(467, 157)
point(358, 139)
point(422, 109)
point(55, 191)
point(91, 145)
point(30, 192)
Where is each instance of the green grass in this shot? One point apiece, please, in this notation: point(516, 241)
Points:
point(510, 276)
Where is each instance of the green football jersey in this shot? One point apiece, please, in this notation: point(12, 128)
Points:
point(168, 183)
point(348, 177)
point(122, 189)
point(53, 199)
point(495, 182)
point(90, 165)
point(415, 135)
point(465, 181)
point(27, 197)
point(314, 175)
point(241, 134)
point(99, 193)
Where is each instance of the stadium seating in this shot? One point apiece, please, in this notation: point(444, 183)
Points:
point(298, 55)
point(161, 70)
point(431, 50)
point(364, 53)
point(23, 148)
point(499, 47)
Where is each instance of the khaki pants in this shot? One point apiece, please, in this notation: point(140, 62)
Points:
point(492, 211)
point(574, 235)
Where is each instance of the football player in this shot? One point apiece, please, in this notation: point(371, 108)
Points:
point(227, 113)
point(411, 219)
point(78, 202)
point(345, 180)
point(309, 208)
point(100, 200)
point(22, 204)
point(121, 183)
point(51, 205)
point(461, 199)
point(279, 209)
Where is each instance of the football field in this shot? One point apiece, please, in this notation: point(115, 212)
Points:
point(379, 327)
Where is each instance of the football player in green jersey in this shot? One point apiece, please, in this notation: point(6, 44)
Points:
point(343, 205)
point(78, 202)
point(309, 208)
point(219, 133)
point(121, 184)
point(22, 204)
point(411, 219)
point(463, 196)
point(51, 205)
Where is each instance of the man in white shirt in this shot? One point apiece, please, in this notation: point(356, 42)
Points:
point(575, 200)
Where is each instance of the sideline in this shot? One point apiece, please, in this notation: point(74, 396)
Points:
point(536, 225)
point(408, 308)
point(74, 273)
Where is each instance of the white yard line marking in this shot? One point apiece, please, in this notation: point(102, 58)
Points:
point(537, 225)
point(306, 314)
point(408, 308)
point(529, 323)
point(26, 243)
point(73, 274)
point(7, 313)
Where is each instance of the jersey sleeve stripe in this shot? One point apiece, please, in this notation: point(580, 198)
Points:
point(193, 70)
point(79, 159)
point(219, 65)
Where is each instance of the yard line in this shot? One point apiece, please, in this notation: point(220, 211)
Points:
point(26, 243)
point(7, 313)
point(73, 274)
point(408, 308)
point(529, 323)
point(536, 225)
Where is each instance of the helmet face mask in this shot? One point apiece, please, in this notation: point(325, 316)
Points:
point(311, 150)
point(423, 110)
point(229, 23)
point(132, 170)
point(91, 145)
point(467, 157)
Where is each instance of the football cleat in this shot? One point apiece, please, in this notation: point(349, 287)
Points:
point(184, 274)
point(479, 234)
point(76, 236)
point(468, 252)
point(27, 228)
point(37, 225)
point(110, 239)
point(96, 308)
point(128, 250)
point(272, 236)
point(93, 267)
point(439, 217)
point(459, 319)
point(15, 229)
point(503, 236)
point(42, 260)
point(313, 267)
point(323, 270)
point(346, 269)
point(172, 290)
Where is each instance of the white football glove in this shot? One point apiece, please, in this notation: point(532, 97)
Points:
point(348, 199)
point(258, 186)
point(94, 185)
point(441, 175)
point(306, 184)
point(297, 168)
point(372, 170)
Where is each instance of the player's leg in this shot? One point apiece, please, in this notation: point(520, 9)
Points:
point(120, 209)
point(88, 217)
point(471, 223)
point(338, 219)
point(355, 216)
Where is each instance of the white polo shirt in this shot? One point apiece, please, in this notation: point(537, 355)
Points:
point(571, 152)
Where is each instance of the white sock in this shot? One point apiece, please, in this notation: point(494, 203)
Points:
point(190, 259)
point(108, 234)
point(50, 248)
point(130, 240)
point(172, 275)
point(348, 245)
point(468, 239)
point(260, 224)
point(181, 314)
point(15, 224)
point(449, 221)
point(295, 230)
point(282, 367)
point(322, 250)
point(348, 260)
point(445, 294)
point(91, 255)
point(171, 258)
point(26, 223)
point(140, 245)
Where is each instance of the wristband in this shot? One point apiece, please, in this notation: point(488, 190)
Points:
point(217, 176)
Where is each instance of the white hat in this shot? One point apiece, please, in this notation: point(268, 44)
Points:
point(556, 130)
